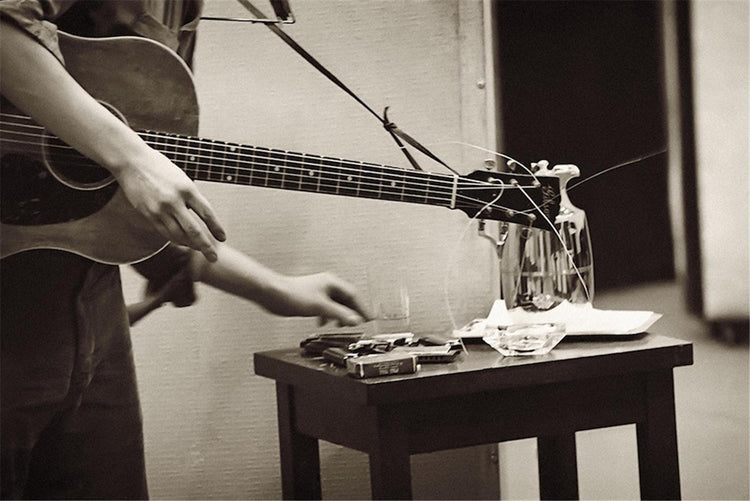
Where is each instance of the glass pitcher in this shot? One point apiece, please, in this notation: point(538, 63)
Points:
point(540, 268)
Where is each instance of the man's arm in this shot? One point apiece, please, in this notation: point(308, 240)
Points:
point(323, 295)
point(37, 83)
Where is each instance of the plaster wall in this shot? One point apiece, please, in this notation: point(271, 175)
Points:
point(720, 80)
point(210, 423)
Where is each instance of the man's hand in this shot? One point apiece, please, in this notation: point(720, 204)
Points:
point(320, 295)
point(37, 83)
point(164, 194)
point(323, 295)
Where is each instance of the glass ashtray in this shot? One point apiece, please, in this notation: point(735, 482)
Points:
point(525, 339)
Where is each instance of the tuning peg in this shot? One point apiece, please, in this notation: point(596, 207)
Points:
point(540, 165)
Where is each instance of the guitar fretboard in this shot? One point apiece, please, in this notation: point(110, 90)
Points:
point(226, 162)
point(511, 197)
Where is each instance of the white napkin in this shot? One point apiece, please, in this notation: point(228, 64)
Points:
point(579, 319)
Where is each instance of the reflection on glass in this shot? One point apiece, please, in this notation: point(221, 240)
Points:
point(541, 269)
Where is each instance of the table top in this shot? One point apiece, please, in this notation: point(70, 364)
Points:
point(481, 368)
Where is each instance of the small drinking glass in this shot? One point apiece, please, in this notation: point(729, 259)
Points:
point(390, 301)
point(526, 339)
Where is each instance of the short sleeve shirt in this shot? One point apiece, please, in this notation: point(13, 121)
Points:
point(40, 288)
point(172, 23)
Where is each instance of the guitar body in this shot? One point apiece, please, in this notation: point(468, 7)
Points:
point(48, 204)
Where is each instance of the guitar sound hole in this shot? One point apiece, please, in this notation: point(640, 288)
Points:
point(30, 196)
point(72, 168)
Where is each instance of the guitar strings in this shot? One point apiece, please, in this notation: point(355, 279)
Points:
point(486, 150)
point(620, 165)
point(290, 156)
point(452, 259)
point(557, 234)
point(33, 125)
point(403, 175)
point(631, 161)
point(259, 153)
point(568, 252)
point(407, 190)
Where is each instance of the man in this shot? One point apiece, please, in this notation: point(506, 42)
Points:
point(71, 425)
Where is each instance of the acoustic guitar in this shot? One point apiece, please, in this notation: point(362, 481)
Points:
point(55, 198)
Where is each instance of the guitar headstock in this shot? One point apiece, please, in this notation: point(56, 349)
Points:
point(510, 197)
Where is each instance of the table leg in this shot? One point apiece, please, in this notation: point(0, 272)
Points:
point(558, 471)
point(300, 459)
point(658, 464)
point(390, 465)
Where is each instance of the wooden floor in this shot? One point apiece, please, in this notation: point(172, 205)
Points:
point(712, 416)
point(711, 396)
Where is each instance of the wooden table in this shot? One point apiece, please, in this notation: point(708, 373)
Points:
point(482, 398)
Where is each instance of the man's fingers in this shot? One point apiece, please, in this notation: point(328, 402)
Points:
point(344, 304)
point(345, 316)
point(347, 295)
point(186, 229)
point(200, 206)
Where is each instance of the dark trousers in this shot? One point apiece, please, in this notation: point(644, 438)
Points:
point(70, 418)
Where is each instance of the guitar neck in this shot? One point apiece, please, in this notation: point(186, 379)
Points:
point(226, 162)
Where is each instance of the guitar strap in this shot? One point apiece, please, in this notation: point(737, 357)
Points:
point(397, 134)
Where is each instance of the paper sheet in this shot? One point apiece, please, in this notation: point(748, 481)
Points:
point(579, 319)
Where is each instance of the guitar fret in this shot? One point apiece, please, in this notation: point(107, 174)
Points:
point(177, 155)
point(301, 164)
point(218, 161)
point(164, 144)
point(310, 178)
point(358, 178)
point(155, 142)
point(413, 186)
point(317, 176)
point(245, 169)
point(219, 149)
point(191, 161)
point(282, 168)
point(288, 177)
point(383, 184)
point(261, 163)
point(274, 175)
point(329, 177)
point(280, 165)
point(337, 174)
point(198, 159)
point(348, 179)
point(426, 191)
point(298, 167)
point(394, 181)
point(181, 156)
point(290, 165)
point(230, 169)
point(369, 180)
point(209, 154)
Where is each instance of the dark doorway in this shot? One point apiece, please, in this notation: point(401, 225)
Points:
point(581, 82)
